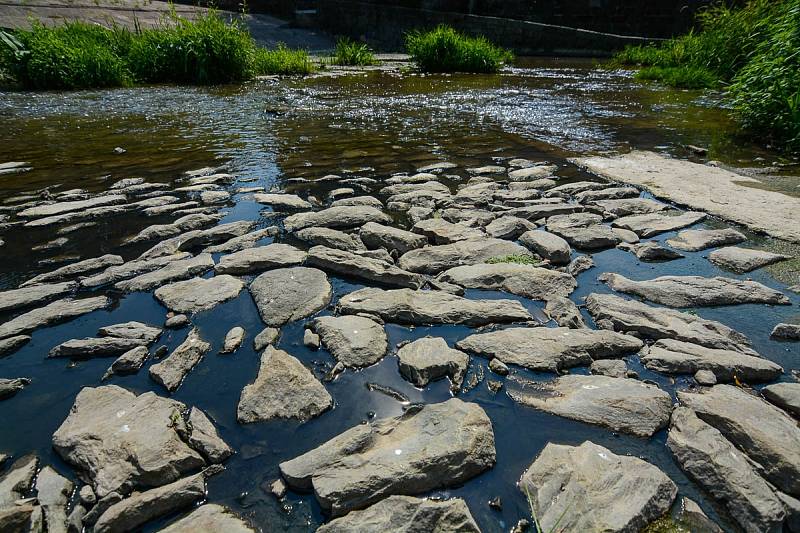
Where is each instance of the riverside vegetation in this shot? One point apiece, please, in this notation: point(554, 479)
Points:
point(751, 52)
point(443, 49)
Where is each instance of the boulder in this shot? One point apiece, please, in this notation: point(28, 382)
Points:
point(652, 224)
point(784, 395)
point(172, 370)
point(265, 338)
point(53, 313)
point(172, 271)
point(694, 240)
point(12, 344)
point(204, 438)
point(353, 340)
point(430, 358)
point(287, 294)
point(233, 339)
point(766, 434)
point(532, 173)
point(440, 231)
point(10, 387)
point(95, 347)
point(696, 291)
point(391, 239)
point(620, 404)
point(652, 251)
point(523, 280)
point(365, 268)
point(118, 440)
point(568, 486)
point(359, 200)
point(406, 514)
point(583, 231)
point(615, 368)
point(550, 349)
point(547, 245)
point(676, 357)
point(348, 216)
point(261, 258)
point(128, 363)
point(509, 227)
point(629, 316)
point(282, 201)
point(130, 269)
point(53, 492)
point(209, 518)
point(283, 389)
point(717, 466)
point(630, 206)
point(199, 294)
point(435, 259)
point(405, 306)
point(75, 269)
point(427, 447)
point(33, 295)
point(741, 260)
point(580, 264)
point(789, 332)
point(331, 238)
point(564, 312)
point(18, 480)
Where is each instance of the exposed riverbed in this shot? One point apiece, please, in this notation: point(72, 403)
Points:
point(368, 125)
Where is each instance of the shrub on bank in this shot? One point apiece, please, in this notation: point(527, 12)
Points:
point(443, 49)
point(351, 53)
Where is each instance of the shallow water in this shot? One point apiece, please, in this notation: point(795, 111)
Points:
point(361, 126)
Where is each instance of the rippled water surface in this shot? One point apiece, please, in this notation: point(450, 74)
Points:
point(362, 125)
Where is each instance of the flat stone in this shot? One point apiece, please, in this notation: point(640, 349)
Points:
point(705, 377)
point(287, 294)
point(214, 197)
point(741, 260)
point(141, 507)
point(233, 339)
point(406, 306)
point(242, 242)
point(406, 514)
point(365, 268)
point(176, 322)
point(578, 187)
point(532, 173)
point(10, 387)
point(433, 446)
point(567, 485)
point(435, 259)
point(282, 201)
point(336, 217)
point(75, 269)
point(620, 404)
point(547, 245)
point(66, 207)
point(613, 312)
point(265, 338)
point(117, 439)
point(487, 169)
point(359, 200)
point(35, 294)
point(626, 236)
point(18, 480)
point(128, 363)
point(611, 193)
point(694, 240)
point(440, 231)
point(199, 294)
point(580, 264)
point(650, 225)
point(130, 269)
point(209, 517)
point(509, 227)
point(676, 357)
point(564, 312)
point(468, 216)
point(722, 470)
point(550, 349)
point(53, 492)
point(220, 233)
point(535, 212)
point(404, 188)
point(392, 239)
point(652, 251)
point(311, 340)
point(94, 347)
point(283, 389)
point(630, 206)
point(523, 280)
point(12, 344)
point(615, 368)
point(430, 358)
point(205, 439)
point(696, 291)
point(353, 340)
point(583, 231)
point(331, 238)
point(92, 213)
point(172, 271)
point(784, 395)
point(766, 434)
point(437, 167)
point(540, 184)
point(261, 258)
point(17, 518)
point(172, 370)
point(53, 313)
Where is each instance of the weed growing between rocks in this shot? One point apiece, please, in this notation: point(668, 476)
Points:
point(351, 53)
point(443, 49)
point(519, 259)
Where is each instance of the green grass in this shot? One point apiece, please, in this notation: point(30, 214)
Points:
point(681, 77)
point(443, 49)
point(351, 53)
point(77, 55)
point(520, 259)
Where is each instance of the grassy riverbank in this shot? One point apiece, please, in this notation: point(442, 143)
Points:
point(80, 55)
point(753, 53)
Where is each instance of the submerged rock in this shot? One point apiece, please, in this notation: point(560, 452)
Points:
point(337, 217)
point(435, 259)
point(287, 294)
point(695, 291)
point(620, 404)
point(430, 358)
point(550, 349)
point(284, 388)
point(789, 332)
point(439, 445)
point(741, 260)
point(53, 313)
point(35, 294)
point(547, 245)
point(405, 306)
point(353, 340)
point(694, 240)
point(590, 488)
point(209, 518)
point(366, 268)
point(199, 294)
point(260, 258)
point(523, 280)
point(75, 269)
point(408, 515)
point(172, 370)
point(652, 224)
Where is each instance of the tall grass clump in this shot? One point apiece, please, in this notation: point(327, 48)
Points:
point(443, 49)
point(351, 53)
point(283, 61)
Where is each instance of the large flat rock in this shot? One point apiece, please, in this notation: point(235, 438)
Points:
point(440, 231)
point(67, 207)
point(35, 294)
point(172, 271)
point(287, 294)
point(283, 389)
point(209, 518)
point(353, 340)
point(523, 280)
point(766, 434)
point(717, 466)
point(676, 357)
point(696, 291)
point(590, 488)
point(741, 260)
point(282, 201)
point(550, 349)
point(391, 239)
point(650, 225)
point(623, 315)
point(331, 238)
point(720, 192)
point(428, 447)
point(694, 240)
point(130, 269)
point(435, 259)
point(784, 395)
point(548, 245)
point(75, 269)
point(346, 216)
point(261, 258)
point(94, 347)
point(172, 370)
point(406, 306)
point(199, 294)
point(53, 313)
point(361, 267)
point(621, 404)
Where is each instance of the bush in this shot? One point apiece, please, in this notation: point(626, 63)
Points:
point(445, 50)
point(283, 61)
point(351, 53)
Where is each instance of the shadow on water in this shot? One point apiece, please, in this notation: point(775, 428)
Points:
point(360, 126)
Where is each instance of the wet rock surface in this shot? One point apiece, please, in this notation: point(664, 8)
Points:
point(365, 268)
point(741, 260)
point(53, 313)
point(694, 240)
point(429, 359)
point(260, 259)
point(287, 294)
point(199, 294)
point(435, 259)
point(523, 280)
point(353, 340)
point(172, 370)
point(209, 517)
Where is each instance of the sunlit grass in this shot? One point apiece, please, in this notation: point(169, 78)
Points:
point(443, 49)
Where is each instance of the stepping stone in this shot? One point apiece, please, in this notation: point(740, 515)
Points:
point(652, 224)
point(614, 368)
point(282, 201)
point(130, 269)
point(784, 395)
point(128, 363)
point(630, 206)
point(564, 312)
point(205, 439)
point(435, 259)
point(652, 251)
point(331, 238)
point(209, 517)
point(353, 340)
point(440, 231)
point(532, 173)
point(172, 271)
point(509, 228)
point(611, 193)
point(75, 269)
point(233, 339)
point(287, 294)
point(694, 240)
point(172, 370)
point(199, 294)
point(51, 314)
point(365, 268)
point(391, 239)
point(67, 207)
point(95, 347)
point(131, 330)
point(337, 217)
point(429, 359)
point(260, 258)
point(527, 281)
point(741, 260)
point(547, 245)
point(33, 295)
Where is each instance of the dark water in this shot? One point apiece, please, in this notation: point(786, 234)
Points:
point(361, 126)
